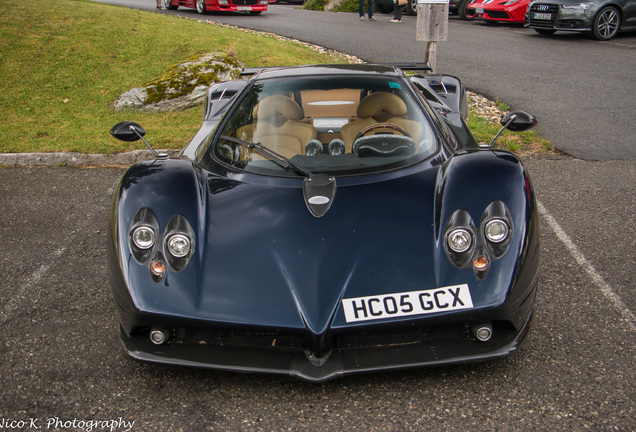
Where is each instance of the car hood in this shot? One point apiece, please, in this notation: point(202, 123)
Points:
point(267, 260)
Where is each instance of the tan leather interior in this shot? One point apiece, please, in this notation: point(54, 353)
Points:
point(380, 107)
point(277, 127)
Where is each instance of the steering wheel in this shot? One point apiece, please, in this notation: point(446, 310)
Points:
point(373, 127)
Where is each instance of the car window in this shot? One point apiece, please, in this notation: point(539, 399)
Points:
point(336, 125)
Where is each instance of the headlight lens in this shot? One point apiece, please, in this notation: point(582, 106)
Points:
point(581, 6)
point(144, 237)
point(459, 240)
point(496, 230)
point(179, 245)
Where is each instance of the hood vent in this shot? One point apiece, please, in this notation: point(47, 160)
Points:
point(319, 191)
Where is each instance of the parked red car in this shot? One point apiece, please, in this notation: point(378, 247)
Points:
point(498, 10)
point(253, 7)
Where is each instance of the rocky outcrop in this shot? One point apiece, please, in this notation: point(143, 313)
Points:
point(183, 86)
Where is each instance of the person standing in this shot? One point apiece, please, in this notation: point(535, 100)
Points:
point(369, 7)
point(159, 4)
point(397, 12)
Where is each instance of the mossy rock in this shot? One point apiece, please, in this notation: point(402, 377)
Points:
point(183, 86)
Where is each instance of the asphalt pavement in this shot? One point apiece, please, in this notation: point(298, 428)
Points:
point(61, 361)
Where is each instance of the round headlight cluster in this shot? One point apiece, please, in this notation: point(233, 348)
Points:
point(144, 237)
point(496, 230)
point(179, 245)
point(459, 240)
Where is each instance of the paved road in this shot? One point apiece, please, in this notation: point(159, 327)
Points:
point(583, 91)
point(60, 356)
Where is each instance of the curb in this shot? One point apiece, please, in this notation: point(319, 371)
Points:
point(77, 159)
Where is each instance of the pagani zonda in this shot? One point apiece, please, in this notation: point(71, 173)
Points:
point(326, 220)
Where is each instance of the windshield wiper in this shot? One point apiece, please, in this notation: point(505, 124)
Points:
point(278, 159)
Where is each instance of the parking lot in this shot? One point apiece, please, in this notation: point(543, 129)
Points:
point(62, 365)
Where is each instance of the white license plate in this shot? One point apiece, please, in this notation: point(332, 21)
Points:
point(444, 299)
point(542, 16)
point(479, 10)
point(244, 8)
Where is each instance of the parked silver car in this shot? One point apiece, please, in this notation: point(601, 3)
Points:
point(602, 19)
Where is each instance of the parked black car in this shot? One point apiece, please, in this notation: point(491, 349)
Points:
point(602, 19)
point(386, 6)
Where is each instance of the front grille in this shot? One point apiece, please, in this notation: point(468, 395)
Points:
point(402, 336)
point(543, 9)
point(498, 15)
point(239, 338)
point(277, 340)
point(244, 2)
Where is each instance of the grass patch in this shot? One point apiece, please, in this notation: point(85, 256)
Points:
point(64, 62)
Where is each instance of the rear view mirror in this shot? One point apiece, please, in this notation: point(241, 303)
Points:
point(127, 131)
point(518, 121)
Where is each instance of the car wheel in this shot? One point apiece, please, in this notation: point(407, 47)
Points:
point(411, 7)
point(606, 24)
point(545, 32)
point(462, 12)
point(168, 5)
point(201, 6)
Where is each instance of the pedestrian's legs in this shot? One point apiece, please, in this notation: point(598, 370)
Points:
point(370, 6)
point(398, 12)
point(361, 8)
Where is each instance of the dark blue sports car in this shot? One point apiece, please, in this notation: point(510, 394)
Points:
point(326, 220)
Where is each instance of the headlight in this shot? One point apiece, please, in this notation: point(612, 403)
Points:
point(496, 230)
point(459, 240)
point(144, 237)
point(510, 2)
point(179, 245)
point(577, 6)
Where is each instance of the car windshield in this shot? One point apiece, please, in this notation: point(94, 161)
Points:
point(336, 125)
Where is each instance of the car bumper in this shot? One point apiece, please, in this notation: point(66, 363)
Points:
point(364, 351)
point(563, 20)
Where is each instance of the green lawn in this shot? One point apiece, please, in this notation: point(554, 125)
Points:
point(64, 63)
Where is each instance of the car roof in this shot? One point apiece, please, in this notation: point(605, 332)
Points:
point(326, 69)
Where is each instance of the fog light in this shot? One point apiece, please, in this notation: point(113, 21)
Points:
point(483, 331)
point(159, 335)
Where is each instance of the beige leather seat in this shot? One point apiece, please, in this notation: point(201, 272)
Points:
point(380, 107)
point(277, 127)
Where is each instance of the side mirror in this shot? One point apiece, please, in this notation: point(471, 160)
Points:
point(130, 131)
point(518, 121)
point(127, 131)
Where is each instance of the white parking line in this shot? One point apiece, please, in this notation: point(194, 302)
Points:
point(598, 280)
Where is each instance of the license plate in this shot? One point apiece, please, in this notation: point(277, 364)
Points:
point(244, 8)
point(542, 16)
point(479, 10)
point(444, 299)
